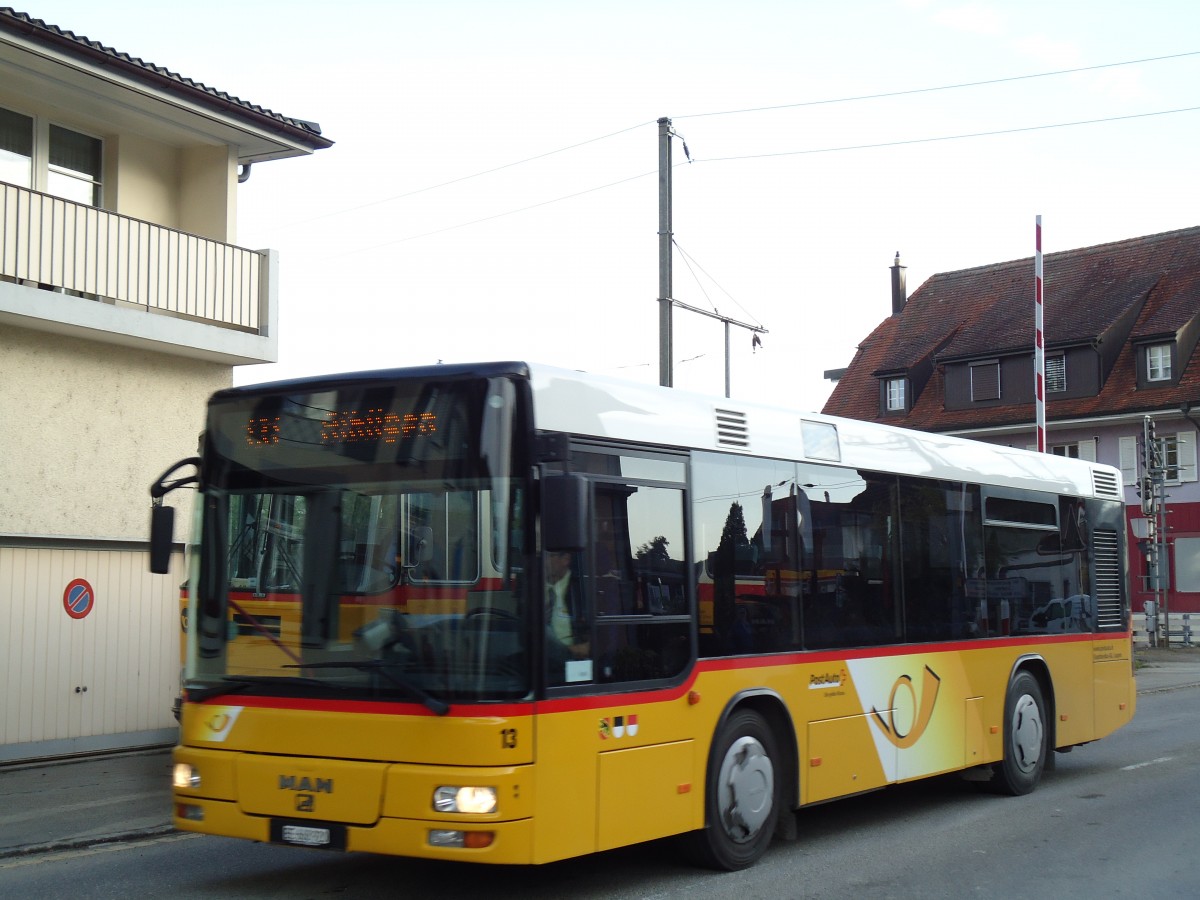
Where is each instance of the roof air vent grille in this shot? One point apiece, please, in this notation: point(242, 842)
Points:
point(1105, 484)
point(732, 429)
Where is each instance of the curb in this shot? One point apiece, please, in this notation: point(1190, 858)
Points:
point(83, 843)
point(1169, 688)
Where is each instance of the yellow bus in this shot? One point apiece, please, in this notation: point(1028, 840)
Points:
point(506, 613)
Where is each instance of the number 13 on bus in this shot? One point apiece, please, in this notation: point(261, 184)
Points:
point(505, 613)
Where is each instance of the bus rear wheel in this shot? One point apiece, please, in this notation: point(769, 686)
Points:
point(742, 795)
point(1025, 741)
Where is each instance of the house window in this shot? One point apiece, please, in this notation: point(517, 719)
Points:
point(1084, 449)
point(985, 381)
point(1158, 362)
point(1187, 565)
point(49, 158)
point(1056, 373)
point(1177, 454)
point(895, 395)
point(16, 148)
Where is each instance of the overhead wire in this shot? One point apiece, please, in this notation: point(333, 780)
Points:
point(689, 261)
point(459, 180)
point(949, 137)
point(808, 151)
point(501, 215)
point(943, 87)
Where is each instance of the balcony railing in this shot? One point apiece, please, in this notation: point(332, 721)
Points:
point(53, 243)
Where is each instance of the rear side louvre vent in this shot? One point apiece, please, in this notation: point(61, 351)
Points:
point(1106, 556)
point(1105, 484)
point(732, 430)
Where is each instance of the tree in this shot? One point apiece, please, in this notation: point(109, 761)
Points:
point(654, 551)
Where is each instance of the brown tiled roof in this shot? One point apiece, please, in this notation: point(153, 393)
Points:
point(856, 395)
point(23, 24)
point(988, 311)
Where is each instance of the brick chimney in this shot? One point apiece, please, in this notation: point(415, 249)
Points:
point(899, 291)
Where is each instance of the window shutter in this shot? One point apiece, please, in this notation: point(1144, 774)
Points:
point(985, 381)
point(1127, 451)
point(1087, 449)
point(1185, 443)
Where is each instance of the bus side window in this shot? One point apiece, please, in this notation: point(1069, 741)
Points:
point(641, 630)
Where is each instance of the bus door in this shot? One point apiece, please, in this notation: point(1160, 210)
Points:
point(617, 621)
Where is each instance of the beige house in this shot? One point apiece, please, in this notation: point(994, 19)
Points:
point(124, 302)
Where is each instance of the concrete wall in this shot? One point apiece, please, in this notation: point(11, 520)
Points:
point(87, 427)
point(142, 179)
point(208, 192)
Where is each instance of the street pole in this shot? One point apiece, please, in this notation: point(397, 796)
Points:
point(665, 349)
point(726, 359)
point(666, 302)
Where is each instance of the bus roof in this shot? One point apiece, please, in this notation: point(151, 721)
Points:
point(609, 408)
point(584, 404)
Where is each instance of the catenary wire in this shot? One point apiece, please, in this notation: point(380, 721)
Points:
point(943, 87)
point(950, 137)
point(799, 104)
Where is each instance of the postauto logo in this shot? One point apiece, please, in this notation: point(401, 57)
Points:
point(823, 681)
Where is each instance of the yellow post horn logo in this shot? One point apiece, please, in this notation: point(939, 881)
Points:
point(924, 710)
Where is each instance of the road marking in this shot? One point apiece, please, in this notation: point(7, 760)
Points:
point(1142, 765)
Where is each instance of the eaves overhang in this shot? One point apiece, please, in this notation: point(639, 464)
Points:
point(1126, 418)
point(65, 69)
point(1023, 350)
point(1154, 338)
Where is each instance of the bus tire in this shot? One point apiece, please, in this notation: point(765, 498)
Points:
point(742, 796)
point(1025, 740)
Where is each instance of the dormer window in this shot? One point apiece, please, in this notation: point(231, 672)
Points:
point(1158, 362)
point(895, 395)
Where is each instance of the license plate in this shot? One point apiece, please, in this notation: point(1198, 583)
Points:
point(308, 834)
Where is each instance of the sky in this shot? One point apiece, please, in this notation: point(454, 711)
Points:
point(492, 192)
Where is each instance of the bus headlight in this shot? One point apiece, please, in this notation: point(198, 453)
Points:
point(472, 800)
point(186, 777)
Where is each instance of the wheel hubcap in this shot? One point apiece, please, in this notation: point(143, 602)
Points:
point(746, 789)
point(1027, 733)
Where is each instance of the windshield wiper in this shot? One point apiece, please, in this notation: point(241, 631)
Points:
point(430, 702)
point(225, 686)
point(232, 684)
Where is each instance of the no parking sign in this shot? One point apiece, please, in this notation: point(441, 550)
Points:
point(79, 598)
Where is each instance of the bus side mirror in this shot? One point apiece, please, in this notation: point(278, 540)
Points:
point(162, 532)
point(564, 513)
point(162, 518)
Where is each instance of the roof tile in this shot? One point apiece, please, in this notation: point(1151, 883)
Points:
point(988, 310)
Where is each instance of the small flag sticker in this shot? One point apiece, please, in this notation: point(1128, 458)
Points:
point(617, 727)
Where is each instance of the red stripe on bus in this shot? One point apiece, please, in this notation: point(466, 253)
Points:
point(663, 695)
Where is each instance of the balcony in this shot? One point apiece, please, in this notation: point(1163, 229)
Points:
point(90, 273)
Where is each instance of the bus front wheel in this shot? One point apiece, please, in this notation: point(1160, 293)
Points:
point(742, 795)
point(1025, 742)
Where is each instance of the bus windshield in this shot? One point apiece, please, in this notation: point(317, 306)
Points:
point(361, 542)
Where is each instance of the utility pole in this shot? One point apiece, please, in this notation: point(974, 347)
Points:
point(665, 349)
point(666, 302)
